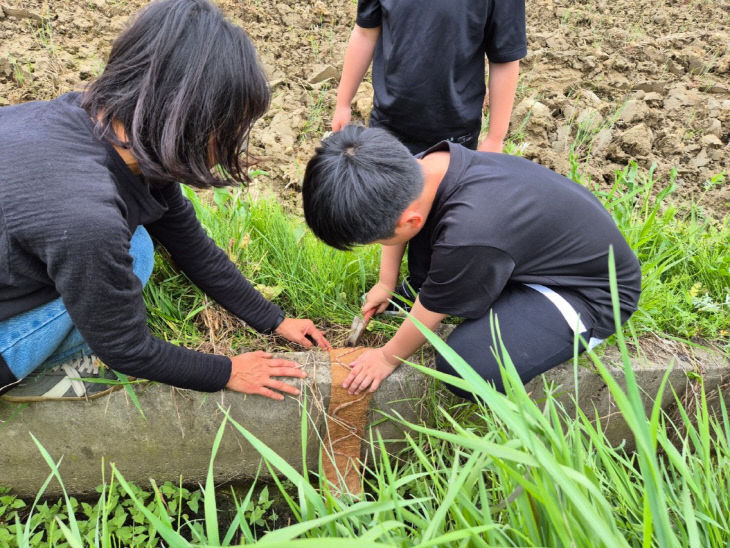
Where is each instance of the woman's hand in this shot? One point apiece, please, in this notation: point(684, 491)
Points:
point(369, 370)
point(252, 373)
point(377, 300)
point(297, 331)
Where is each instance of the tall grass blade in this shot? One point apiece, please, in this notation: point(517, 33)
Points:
point(310, 495)
point(209, 503)
point(54, 468)
point(73, 541)
point(130, 392)
point(631, 406)
point(355, 510)
point(240, 520)
point(172, 537)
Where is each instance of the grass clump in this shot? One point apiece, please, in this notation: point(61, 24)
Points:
point(683, 253)
point(506, 471)
point(684, 259)
point(277, 253)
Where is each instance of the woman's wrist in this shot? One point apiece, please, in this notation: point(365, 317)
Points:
point(279, 320)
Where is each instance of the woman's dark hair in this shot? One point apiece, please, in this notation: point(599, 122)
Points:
point(186, 86)
point(357, 185)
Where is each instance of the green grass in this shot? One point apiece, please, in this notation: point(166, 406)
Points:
point(683, 252)
point(508, 471)
point(684, 257)
point(277, 254)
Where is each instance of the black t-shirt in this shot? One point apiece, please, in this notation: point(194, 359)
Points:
point(499, 219)
point(68, 210)
point(428, 67)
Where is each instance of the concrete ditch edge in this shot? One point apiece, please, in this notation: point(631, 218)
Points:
point(175, 436)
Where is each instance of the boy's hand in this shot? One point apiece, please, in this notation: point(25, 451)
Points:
point(491, 145)
point(251, 374)
point(298, 331)
point(377, 300)
point(341, 118)
point(369, 370)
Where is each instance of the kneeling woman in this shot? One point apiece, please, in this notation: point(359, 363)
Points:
point(89, 177)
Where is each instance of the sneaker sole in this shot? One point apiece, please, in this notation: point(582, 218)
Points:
point(29, 399)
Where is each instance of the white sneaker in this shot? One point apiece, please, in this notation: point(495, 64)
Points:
point(82, 378)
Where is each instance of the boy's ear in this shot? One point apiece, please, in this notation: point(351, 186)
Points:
point(410, 219)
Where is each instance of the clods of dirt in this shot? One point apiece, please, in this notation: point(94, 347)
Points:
point(604, 82)
point(623, 81)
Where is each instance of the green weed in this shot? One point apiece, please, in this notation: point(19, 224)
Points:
point(684, 257)
point(20, 71)
point(683, 253)
point(277, 253)
point(715, 181)
point(44, 37)
point(506, 471)
point(317, 116)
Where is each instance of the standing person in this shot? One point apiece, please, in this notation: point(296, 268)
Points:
point(428, 68)
point(487, 235)
point(88, 177)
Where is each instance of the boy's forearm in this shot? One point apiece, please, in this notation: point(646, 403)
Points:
point(408, 338)
point(503, 79)
point(358, 56)
point(390, 259)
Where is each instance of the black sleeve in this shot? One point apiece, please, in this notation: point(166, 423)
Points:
point(90, 265)
point(464, 281)
point(505, 37)
point(369, 14)
point(207, 265)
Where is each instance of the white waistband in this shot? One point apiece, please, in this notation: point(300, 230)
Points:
point(567, 310)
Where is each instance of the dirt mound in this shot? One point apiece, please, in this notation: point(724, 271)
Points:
point(612, 82)
point(604, 82)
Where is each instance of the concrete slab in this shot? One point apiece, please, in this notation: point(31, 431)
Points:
point(685, 372)
point(176, 435)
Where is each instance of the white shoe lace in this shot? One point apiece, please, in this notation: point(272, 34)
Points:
point(89, 365)
point(85, 366)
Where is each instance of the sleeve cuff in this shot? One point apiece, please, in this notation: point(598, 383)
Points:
point(220, 374)
point(508, 56)
point(280, 318)
point(266, 323)
point(368, 22)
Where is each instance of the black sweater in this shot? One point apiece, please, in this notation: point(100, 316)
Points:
point(68, 208)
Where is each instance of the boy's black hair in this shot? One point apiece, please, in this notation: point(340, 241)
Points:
point(186, 86)
point(357, 185)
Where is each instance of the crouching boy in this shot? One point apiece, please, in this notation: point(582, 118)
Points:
point(485, 232)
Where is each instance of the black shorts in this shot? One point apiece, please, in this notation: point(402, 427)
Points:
point(537, 327)
point(469, 139)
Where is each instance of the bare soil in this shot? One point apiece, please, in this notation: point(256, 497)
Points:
point(609, 82)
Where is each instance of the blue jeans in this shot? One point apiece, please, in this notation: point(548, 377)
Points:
point(46, 336)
